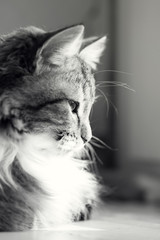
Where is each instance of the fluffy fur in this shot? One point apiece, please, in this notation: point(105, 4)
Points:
point(46, 93)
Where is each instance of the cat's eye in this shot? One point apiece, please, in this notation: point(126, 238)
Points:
point(74, 105)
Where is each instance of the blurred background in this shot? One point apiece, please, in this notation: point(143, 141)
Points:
point(127, 121)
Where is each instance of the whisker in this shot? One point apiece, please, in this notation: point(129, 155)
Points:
point(91, 154)
point(96, 144)
point(114, 107)
point(94, 154)
point(106, 99)
point(113, 71)
point(103, 143)
point(114, 84)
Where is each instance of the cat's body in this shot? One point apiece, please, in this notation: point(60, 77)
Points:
point(46, 93)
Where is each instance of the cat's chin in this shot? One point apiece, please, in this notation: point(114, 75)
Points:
point(70, 147)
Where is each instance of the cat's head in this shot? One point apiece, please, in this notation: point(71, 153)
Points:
point(47, 84)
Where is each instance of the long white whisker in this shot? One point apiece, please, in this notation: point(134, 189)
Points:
point(103, 143)
point(97, 145)
point(105, 99)
point(91, 154)
point(94, 153)
point(114, 84)
point(114, 107)
point(108, 101)
point(113, 71)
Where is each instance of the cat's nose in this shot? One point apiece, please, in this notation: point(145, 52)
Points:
point(86, 133)
point(84, 139)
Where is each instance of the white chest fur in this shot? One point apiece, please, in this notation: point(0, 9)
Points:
point(67, 183)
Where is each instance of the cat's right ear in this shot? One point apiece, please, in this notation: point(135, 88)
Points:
point(66, 43)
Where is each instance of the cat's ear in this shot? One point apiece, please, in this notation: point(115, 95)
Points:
point(66, 43)
point(91, 53)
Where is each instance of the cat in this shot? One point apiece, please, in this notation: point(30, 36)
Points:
point(47, 89)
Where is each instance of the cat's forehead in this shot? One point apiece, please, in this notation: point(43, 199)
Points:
point(74, 69)
point(73, 79)
point(77, 70)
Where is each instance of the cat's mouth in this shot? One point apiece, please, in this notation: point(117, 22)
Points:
point(70, 143)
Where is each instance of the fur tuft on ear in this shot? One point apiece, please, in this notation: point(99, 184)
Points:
point(66, 43)
point(91, 54)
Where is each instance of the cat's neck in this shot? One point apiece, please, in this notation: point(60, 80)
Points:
point(38, 156)
point(64, 181)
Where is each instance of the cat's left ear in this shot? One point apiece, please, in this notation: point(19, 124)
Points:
point(64, 44)
point(91, 53)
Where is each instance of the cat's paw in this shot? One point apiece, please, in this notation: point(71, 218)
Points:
point(85, 215)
